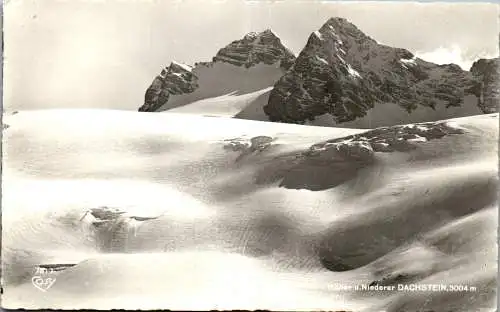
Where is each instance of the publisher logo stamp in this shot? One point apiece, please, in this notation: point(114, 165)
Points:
point(43, 279)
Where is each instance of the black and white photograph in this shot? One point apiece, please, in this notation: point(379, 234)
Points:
point(250, 155)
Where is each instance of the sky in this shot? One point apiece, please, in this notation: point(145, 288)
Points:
point(104, 54)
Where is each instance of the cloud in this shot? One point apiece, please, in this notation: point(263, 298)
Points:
point(452, 54)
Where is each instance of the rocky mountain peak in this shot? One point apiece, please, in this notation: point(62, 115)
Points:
point(254, 48)
point(344, 73)
point(342, 28)
point(264, 35)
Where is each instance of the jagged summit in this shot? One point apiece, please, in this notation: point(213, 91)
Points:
point(264, 47)
point(252, 63)
point(268, 33)
point(340, 31)
point(344, 73)
point(177, 70)
point(487, 72)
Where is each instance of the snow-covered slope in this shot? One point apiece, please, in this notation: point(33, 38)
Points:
point(343, 73)
point(244, 66)
point(488, 73)
point(228, 105)
point(247, 215)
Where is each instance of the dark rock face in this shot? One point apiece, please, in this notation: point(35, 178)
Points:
point(111, 226)
point(488, 73)
point(55, 267)
point(343, 72)
point(175, 79)
point(253, 49)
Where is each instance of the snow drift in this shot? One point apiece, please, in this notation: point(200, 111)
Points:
point(157, 209)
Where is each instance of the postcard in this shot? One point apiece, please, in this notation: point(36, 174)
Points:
point(250, 155)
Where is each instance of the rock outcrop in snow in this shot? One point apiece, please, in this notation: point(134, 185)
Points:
point(344, 73)
point(386, 139)
point(253, 63)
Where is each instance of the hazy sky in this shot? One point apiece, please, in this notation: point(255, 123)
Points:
point(106, 53)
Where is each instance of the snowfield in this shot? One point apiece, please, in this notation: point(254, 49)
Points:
point(179, 211)
point(229, 105)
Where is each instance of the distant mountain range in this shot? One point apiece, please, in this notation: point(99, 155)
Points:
point(342, 77)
